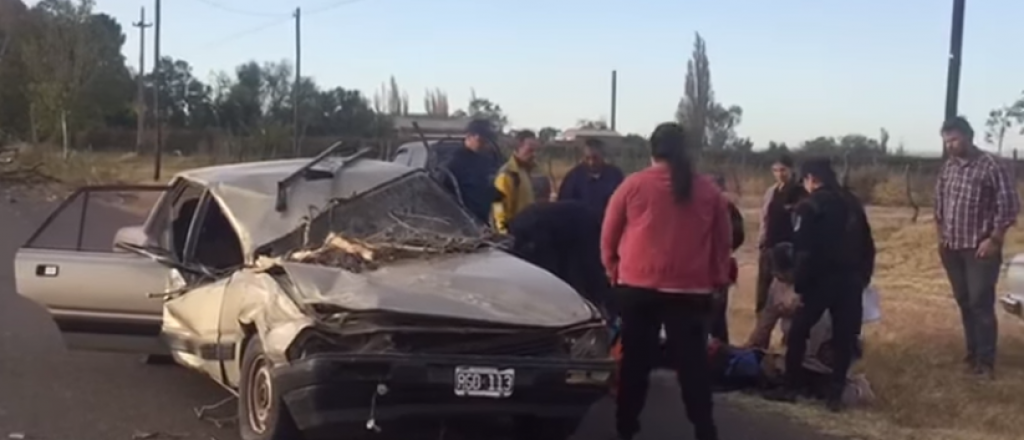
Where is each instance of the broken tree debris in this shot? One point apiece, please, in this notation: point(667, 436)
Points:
point(396, 243)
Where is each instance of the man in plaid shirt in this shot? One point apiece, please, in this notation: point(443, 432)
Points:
point(975, 203)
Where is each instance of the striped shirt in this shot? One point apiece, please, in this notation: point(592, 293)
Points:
point(974, 196)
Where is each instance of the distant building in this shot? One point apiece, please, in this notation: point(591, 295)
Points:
point(583, 133)
point(432, 125)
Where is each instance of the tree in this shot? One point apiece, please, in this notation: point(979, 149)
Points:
point(344, 112)
point(698, 97)
point(547, 134)
point(14, 100)
point(435, 103)
point(712, 124)
point(744, 145)
point(485, 109)
point(777, 147)
point(391, 99)
point(61, 56)
point(999, 121)
point(852, 144)
point(721, 128)
point(185, 101)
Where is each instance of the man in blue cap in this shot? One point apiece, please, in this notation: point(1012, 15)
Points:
point(473, 168)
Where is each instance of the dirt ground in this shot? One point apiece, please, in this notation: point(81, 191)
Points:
point(913, 355)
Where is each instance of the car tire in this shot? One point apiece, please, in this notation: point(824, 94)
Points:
point(262, 415)
point(536, 428)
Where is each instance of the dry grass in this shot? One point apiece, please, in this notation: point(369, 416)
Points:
point(88, 168)
point(913, 356)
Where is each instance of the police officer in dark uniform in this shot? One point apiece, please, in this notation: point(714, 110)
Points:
point(835, 258)
point(473, 167)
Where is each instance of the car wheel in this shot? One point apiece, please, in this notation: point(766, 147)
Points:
point(262, 414)
point(536, 428)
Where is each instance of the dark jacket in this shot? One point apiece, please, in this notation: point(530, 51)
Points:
point(832, 242)
point(739, 235)
point(593, 190)
point(777, 223)
point(562, 237)
point(474, 172)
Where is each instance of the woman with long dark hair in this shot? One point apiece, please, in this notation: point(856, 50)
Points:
point(665, 243)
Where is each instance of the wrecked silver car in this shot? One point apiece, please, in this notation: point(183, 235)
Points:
point(333, 296)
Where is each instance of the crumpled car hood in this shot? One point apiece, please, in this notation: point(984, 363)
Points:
point(489, 285)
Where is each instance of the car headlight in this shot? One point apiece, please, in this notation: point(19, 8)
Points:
point(593, 343)
point(308, 342)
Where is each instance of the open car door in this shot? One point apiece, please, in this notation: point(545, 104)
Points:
point(98, 296)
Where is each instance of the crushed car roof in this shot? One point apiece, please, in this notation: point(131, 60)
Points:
point(247, 192)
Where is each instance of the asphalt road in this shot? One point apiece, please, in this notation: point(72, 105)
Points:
point(49, 393)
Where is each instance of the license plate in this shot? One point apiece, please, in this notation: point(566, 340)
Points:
point(484, 382)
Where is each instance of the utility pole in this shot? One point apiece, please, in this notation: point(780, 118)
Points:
point(140, 131)
point(956, 43)
point(157, 83)
point(298, 76)
point(614, 96)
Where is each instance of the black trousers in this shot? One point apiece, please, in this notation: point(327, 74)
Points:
point(719, 327)
point(685, 317)
point(844, 301)
point(764, 279)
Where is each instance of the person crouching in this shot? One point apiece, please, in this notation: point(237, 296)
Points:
point(782, 300)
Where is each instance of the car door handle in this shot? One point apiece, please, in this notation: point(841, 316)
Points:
point(47, 270)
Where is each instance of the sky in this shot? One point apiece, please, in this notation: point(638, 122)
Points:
point(798, 68)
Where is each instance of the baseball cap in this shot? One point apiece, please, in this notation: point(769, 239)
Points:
point(481, 127)
point(819, 167)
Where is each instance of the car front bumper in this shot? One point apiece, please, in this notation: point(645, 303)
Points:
point(1013, 304)
point(327, 390)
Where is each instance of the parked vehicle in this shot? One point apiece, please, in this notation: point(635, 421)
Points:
point(338, 295)
point(1013, 300)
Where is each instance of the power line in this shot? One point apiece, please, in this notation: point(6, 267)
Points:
point(232, 10)
point(248, 31)
point(312, 11)
point(280, 19)
point(331, 6)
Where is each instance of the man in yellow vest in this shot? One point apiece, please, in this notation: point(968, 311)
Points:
point(514, 180)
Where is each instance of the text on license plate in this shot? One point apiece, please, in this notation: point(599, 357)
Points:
point(484, 382)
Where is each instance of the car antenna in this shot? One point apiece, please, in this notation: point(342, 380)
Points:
point(433, 167)
point(306, 171)
point(423, 137)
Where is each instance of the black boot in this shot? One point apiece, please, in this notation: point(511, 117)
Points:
point(834, 397)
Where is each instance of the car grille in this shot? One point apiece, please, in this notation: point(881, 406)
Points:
point(527, 345)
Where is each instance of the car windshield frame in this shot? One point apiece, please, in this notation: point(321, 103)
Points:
point(325, 221)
